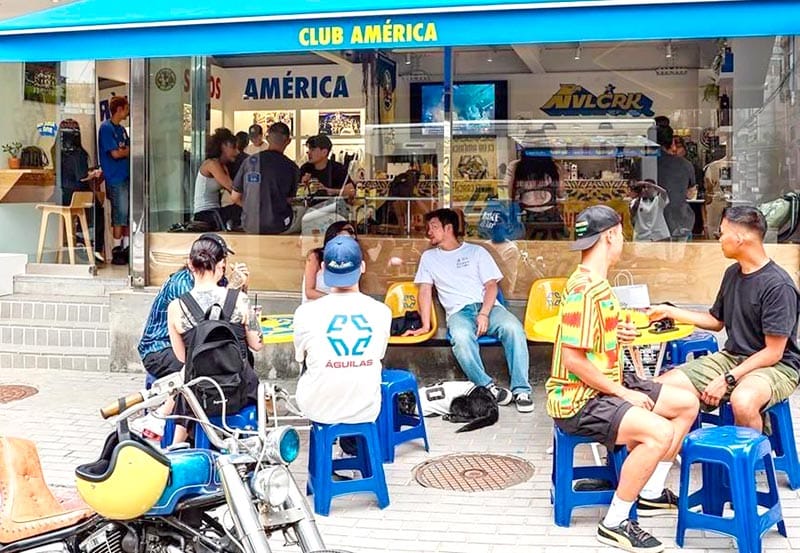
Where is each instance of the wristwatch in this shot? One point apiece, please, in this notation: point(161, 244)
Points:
point(730, 379)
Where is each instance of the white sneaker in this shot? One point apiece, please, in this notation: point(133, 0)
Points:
point(501, 395)
point(149, 427)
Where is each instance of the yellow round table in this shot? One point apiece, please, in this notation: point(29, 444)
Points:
point(277, 329)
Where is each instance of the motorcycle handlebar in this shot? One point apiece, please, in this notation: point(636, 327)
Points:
point(121, 404)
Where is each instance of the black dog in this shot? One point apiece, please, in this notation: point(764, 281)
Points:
point(478, 409)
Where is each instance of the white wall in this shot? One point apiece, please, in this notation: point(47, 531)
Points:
point(18, 118)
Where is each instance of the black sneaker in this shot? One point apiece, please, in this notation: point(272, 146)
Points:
point(523, 402)
point(630, 537)
point(118, 256)
point(665, 504)
point(501, 395)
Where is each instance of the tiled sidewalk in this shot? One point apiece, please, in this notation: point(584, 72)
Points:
point(64, 421)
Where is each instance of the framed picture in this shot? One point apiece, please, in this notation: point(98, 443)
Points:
point(43, 83)
point(339, 123)
point(267, 118)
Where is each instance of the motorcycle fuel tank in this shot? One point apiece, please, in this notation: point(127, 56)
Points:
point(192, 474)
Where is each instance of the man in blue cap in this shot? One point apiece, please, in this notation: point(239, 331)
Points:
point(341, 339)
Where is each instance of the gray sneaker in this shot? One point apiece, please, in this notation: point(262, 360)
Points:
point(523, 402)
point(501, 395)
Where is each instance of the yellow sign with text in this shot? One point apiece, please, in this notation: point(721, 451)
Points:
point(378, 33)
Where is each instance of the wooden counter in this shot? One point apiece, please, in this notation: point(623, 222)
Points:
point(26, 185)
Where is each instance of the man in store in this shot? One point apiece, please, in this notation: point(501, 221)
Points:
point(114, 146)
point(588, 394)
point(341, 339)
point(466, 278)
point(257, 143)
point(331, 175)
point(675, 175)
point(757, 305)
point(265, 186)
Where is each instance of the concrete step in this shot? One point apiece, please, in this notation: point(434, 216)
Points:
point(85, 286)
point(78, 334)
point(54, 309)
point(14, 356)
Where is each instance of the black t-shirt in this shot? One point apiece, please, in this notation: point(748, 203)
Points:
point(267, 181)
point(334, 175)
point(765, 302)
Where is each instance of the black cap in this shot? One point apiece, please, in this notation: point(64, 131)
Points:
point(591, 223)
point(255, 130)
point(216, 238)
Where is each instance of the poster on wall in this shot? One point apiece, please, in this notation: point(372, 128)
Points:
point(267, 118)
point(338, 123)
point(475, 158)
point(387, 83)
point(42, 83)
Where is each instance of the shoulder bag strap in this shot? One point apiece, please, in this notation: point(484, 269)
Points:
point(230, 304)
point(194, 308)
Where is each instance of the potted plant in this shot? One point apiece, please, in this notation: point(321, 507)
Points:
point(13, 149)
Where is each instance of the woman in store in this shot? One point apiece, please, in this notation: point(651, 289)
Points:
point(213, 177)
point(313, 285)
point(534, 183)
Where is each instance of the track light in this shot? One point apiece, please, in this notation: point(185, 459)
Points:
point(669, 49)
point(578, 52)
point(408, 59)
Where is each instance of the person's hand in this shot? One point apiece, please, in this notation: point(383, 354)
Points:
point(658, 312)
point(637, 399)
point(305, 178)
point(626, 331)
point(482, 323)
point(713, 393)
point(417, 332)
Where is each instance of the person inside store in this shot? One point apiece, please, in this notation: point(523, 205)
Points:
point(340, 340)
point(265, 186)
point(257, 142)
point(676, 175)
point(213, 178)
point(534, 182)
point(588, 393)
point(114, 150)
point(77, 176)
point(155, 349)
point(314, 286)
point(647, 212)
point(466, 277)
point(232, 213)
point(324, 176)
point(757, 305)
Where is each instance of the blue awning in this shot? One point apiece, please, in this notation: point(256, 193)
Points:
point(98, 29)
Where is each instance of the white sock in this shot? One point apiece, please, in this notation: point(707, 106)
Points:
point(617, 512)
point(125, 241)
point(117, 242)
point(655, 485)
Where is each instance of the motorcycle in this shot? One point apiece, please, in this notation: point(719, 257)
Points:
point(183, 500)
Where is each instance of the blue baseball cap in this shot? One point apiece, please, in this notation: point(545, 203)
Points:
point(342, 258)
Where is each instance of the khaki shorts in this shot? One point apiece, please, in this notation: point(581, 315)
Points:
point(782, 378)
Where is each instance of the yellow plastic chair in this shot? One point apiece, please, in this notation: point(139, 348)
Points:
point(402, 297)
point(544, 300)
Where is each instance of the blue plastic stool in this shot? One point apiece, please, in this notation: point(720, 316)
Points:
point(391, 421)
point(563, 495)
point(169, 424)
point(246, 419)
point(367, 462)
point(486, 339)
point(729, 454)
point(698, 343)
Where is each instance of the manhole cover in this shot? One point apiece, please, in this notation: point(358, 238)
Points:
point(14, 392)
point(477, 472)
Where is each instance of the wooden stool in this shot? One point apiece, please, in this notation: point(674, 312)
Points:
point(81, 201)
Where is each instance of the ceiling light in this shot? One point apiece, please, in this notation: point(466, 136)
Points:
point(408, 59)
point(578, 52)
point(669, 49)
point(489, 59)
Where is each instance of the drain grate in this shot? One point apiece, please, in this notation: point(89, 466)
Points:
point(478, 472)
point(14, 392)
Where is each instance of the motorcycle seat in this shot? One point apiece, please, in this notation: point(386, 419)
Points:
point(27, 506)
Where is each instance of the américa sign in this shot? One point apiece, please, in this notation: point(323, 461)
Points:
point(386, 32)
point(572, 99)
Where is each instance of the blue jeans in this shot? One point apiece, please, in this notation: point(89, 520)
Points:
point(507, 328)
point(119, 196)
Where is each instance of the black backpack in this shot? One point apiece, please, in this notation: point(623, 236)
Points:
point(216, 352)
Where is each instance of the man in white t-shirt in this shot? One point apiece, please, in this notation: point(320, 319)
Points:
point(466, 278)
point(341, 338)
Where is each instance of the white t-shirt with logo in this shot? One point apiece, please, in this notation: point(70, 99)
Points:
point(342, 338)
point(436, 399)
point(458, 275)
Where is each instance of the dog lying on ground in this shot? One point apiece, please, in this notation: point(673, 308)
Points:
point(458, 402)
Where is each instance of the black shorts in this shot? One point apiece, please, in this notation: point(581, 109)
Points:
point(161, 363)
point(601, 416)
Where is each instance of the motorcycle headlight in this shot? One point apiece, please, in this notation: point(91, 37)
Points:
point(283, 445)
point(271, 485)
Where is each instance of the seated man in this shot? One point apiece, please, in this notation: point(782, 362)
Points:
point(341, 339)
point(757, 304)
point(466, 278)
point(587, 394)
